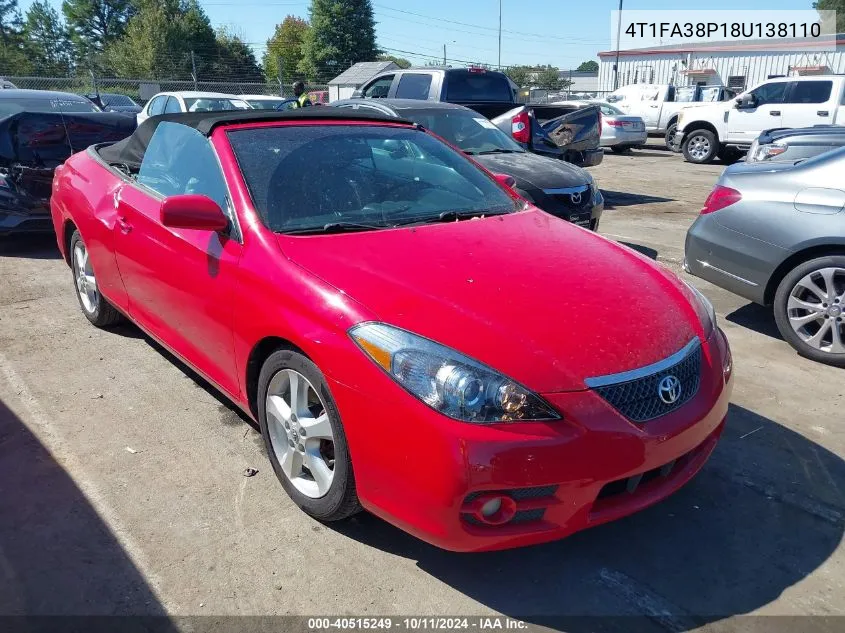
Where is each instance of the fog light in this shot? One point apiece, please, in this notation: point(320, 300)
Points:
point(491, 507)
point(494, 509)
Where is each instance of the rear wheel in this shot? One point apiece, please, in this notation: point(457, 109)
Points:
point(304, 437)
point(94, 306)
point(700, 146)
point(810, 309)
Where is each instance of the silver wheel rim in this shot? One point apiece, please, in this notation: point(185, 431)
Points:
point(816, 310)
point(699, 147)
point(300, 433)
point(86, 284)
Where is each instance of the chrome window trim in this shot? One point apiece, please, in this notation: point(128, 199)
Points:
point(642, 372)
point(567, 190)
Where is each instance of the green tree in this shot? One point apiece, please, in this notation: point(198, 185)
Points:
point(520, 75)
point(343, 32)
point(234, 59)
point(13, 57)
point(285, 43)
point(94, 24)
point(399, 61)
point(590, 66)
point(46, 40)
point(548, 78)
point(833, 5)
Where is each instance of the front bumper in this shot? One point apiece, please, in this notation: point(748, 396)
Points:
point(423, 472)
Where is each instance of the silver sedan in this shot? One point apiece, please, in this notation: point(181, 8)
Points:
point(774, 233)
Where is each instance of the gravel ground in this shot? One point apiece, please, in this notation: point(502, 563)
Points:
point(122, 487)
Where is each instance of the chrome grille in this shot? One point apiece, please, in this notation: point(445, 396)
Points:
point(636, 394)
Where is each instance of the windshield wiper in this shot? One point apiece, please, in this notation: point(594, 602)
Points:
point(337, 227)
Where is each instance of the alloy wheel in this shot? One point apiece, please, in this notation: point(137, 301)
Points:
point(86, 284)
point(816, 310)
point(699, 147)
point(300, 432)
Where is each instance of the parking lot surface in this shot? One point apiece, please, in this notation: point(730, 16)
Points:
point(122, 487)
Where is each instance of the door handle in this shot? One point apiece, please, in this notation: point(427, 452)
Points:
point(774, 112)
point(125, 227)
point(823, 113)
point(652, 106)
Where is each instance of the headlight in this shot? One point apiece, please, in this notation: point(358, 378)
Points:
point(765, 152)
point(446, 380)
point(705, 309)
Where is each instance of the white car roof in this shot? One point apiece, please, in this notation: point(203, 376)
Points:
point(262, 97)
point(194, 94)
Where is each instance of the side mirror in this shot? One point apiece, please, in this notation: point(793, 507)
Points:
point(746, 102)
point(504, 179)
point(193, 211)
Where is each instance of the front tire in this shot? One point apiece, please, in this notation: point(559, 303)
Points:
point(304, 437)
point(670, 135)
point(809, 309)
point(94, 305)
point(700, 147)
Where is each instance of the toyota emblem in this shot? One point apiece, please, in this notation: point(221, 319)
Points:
point(669, 389)
point(576, 197)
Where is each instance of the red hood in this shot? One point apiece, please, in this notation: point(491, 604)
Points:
point(534, 297)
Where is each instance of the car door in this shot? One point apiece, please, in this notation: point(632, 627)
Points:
point(180, 282)
point(746, 123)
point(809, 103)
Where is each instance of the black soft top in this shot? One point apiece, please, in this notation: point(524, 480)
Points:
point(130, 151)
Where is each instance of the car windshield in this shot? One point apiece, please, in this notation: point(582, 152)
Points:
point(316, 177)
point(9, 107)
point(468, 131)
point(116, 100)
point(214, 104)
point(265, 103)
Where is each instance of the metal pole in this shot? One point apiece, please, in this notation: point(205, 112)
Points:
point(444, 54)
point(194, 69)
point(618, 35)
point(280, 74)
point(500, 34)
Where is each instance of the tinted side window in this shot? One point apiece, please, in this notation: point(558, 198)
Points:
point(157, 106)
point(379, 88)
point(413, 86)
point(770, 93)
point(180, 160)
point(172, 105)
point(810, 92)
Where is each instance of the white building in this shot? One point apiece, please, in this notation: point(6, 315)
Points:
point(342, 86)
point(736, 64)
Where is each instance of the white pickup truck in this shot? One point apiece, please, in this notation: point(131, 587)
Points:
point(727, 129)
point(659, 104)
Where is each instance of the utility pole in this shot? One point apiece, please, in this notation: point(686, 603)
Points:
point(194, 69)
point(280, 74)
point(500, 33)
point(618, 35)
point(444, 54)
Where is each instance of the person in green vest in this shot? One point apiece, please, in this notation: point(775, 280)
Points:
point(302, 99)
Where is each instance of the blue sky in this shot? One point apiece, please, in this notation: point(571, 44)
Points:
point(559, 32)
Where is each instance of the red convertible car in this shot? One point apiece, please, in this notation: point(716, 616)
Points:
point(412, 337)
